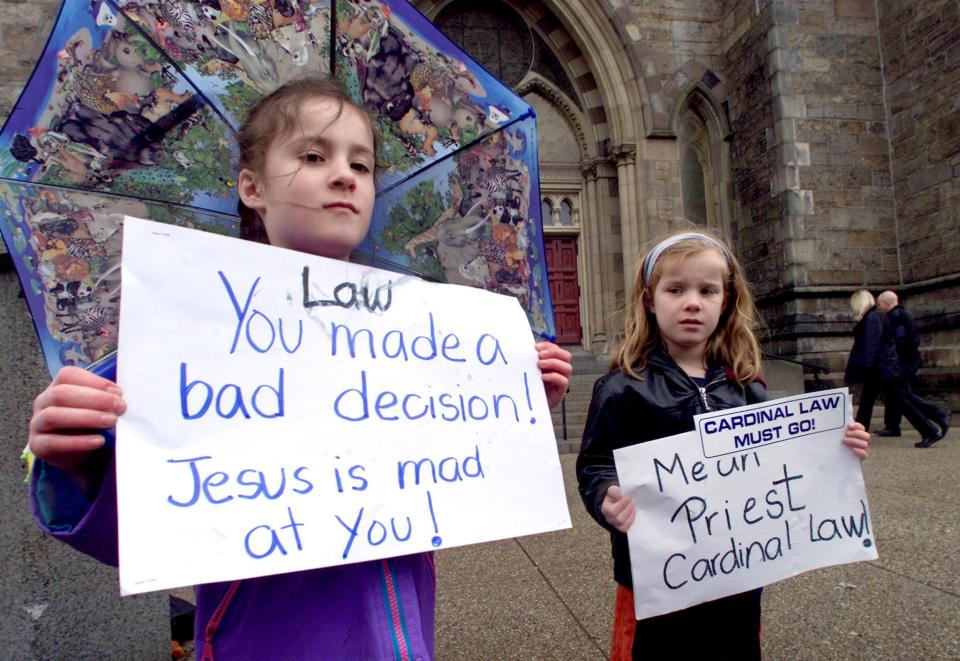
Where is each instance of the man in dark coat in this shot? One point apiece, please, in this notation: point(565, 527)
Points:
point(907, 341)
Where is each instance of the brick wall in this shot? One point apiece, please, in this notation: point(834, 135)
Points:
point(753, 125)
point(920, 42)
point(834, 163)
point(921, 48)
point(827, 200)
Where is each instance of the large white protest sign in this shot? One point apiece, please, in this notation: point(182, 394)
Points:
point(753, 495)
point(288, 412)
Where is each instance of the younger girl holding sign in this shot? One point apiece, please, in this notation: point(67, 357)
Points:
point(688, 348)
point(307, 158)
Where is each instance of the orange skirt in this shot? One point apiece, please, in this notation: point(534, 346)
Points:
point(624, 625)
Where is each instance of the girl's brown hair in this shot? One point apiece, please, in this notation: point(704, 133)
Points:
point(276, 115)
point(733, 343)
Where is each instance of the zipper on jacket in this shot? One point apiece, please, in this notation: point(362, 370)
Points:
point(703, 396)
point(703, 391)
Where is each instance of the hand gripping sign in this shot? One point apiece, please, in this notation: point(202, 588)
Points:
point(288, 412)
point(753, 495)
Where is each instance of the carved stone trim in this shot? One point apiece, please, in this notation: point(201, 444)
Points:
point(590, 169)
point(624, 153)
point(698, 96)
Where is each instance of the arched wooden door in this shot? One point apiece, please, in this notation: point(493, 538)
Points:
point(561, 254)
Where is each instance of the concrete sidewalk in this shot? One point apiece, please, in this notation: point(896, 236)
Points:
point(551, 596)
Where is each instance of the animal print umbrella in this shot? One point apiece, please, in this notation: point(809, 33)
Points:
point(133, 107)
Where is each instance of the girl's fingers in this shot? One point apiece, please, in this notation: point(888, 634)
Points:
point(547, 350)
point(77, 376)
point(555, 365)
point(861, 453)
point(547, 345)
point(858, 447)
point(555, 368)
point(857, 439)
point(65, 450)
point(72, 396)
point(618, 507)
point(618, 510)
point(857, 430)
point(555, 385)
point(555, 379)
point(59, 420)
point(551, 350)
point(68, 414)
point(623, 518)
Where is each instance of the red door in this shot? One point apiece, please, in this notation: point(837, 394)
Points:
point(562, 272)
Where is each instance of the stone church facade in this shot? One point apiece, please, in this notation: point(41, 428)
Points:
point(821, 138)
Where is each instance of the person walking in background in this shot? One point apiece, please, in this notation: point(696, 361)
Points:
point(873, 362)
point(907, 341)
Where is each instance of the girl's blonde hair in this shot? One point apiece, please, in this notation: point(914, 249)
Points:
point(733, 343)
point(274, 116)
point(861, 303)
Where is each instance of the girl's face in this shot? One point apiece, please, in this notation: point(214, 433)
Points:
point(688, 300)
point(316, 191)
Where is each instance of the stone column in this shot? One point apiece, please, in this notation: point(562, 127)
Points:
point(591, 297)
point(633, 234)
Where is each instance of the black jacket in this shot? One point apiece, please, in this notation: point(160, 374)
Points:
point(907, 340)
point(625, 411)
point(874, 354)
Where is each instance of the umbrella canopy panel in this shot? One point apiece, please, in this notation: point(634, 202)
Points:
point(472, 219)
point(239, 51)
point(459, 197)
point(67, 253)
point(105, 110)
point(141, 100)
point(105, 126)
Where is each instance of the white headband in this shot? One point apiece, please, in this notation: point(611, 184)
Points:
point(651, 259)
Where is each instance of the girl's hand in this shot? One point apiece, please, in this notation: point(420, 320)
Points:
point(857, 439)
point(617, 509)
point(556, 368)
point(67, 414)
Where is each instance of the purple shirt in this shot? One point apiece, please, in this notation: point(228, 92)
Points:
point(382, 609)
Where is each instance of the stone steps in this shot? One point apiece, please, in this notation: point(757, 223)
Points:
point(587, 368)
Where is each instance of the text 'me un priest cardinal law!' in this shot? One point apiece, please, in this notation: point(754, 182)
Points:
point(753, 495)
point(287, 412)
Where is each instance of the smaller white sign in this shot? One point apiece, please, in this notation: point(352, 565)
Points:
point(763, 424)
point(754, 495)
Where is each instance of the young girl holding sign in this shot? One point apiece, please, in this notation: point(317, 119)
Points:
point(306, 182)
point(688, 348)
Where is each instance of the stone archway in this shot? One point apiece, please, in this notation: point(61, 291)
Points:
point(699, 124)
